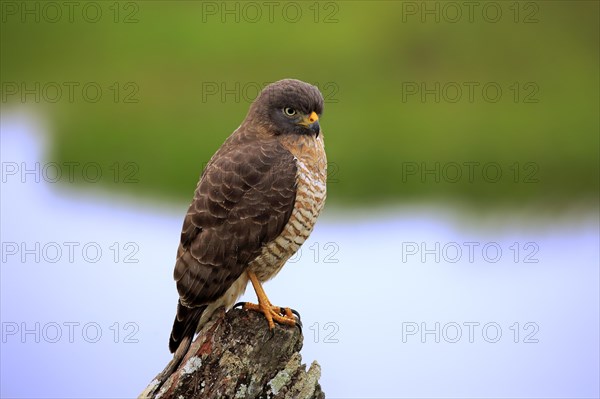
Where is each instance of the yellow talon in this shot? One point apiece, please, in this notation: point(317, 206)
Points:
point(272, 313)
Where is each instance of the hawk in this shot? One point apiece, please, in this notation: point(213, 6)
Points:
point(255, 204)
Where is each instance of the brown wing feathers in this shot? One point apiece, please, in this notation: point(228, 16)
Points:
point(243, 201)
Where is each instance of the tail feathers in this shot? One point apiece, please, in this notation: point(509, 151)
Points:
point(184, 326)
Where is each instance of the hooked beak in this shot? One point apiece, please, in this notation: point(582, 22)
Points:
point(311, 122)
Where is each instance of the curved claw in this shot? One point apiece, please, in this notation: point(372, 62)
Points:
point(297, 316)
point(283, 311)
point(295, 312)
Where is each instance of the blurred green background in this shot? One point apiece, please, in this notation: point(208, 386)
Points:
point(177, 78)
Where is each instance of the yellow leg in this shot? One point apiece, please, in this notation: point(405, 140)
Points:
point(272, 313)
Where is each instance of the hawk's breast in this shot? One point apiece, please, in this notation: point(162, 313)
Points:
point(311, 178)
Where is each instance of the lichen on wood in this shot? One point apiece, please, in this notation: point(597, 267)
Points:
point(237, 356)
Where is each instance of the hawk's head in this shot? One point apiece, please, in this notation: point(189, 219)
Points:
point(288, 106)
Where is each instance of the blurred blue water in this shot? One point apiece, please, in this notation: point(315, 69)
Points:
point(376, 294)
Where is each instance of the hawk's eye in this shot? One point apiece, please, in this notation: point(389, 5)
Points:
point(289, 111)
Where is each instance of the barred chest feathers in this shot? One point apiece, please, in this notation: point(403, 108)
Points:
point(311, 179)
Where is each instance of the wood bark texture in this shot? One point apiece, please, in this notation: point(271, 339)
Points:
point(237, 356)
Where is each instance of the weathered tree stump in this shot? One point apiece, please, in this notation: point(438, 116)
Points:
point(237, 356)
